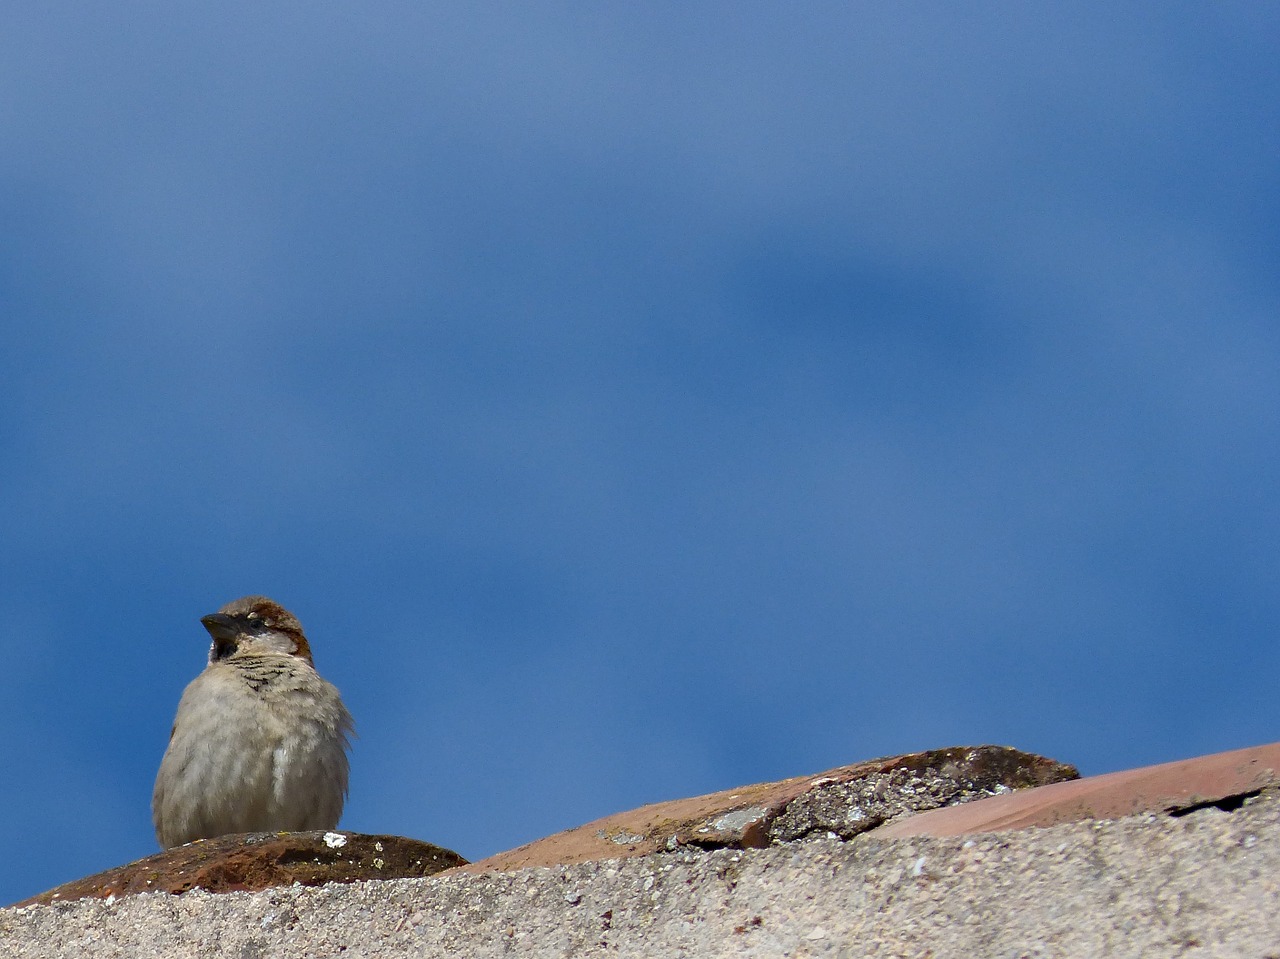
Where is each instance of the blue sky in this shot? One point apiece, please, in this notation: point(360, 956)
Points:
point(634, 401)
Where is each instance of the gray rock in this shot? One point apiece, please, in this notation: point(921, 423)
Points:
point(1204, 884)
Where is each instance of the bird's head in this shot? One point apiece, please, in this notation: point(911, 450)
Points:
point(255, 624)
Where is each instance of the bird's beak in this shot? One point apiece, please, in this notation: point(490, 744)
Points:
point(220, 626)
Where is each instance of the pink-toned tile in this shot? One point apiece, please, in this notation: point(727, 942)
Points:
point(743, 817)
point(1168, 787)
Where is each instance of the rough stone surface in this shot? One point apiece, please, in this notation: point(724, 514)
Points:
point(1204, 884)
point(1222, 778)
point(261, 860)
point(908, 785)
point(844, 801)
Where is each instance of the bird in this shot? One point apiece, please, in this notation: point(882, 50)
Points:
point(260, 740)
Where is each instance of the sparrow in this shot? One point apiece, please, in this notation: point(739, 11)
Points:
point(260, 741)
